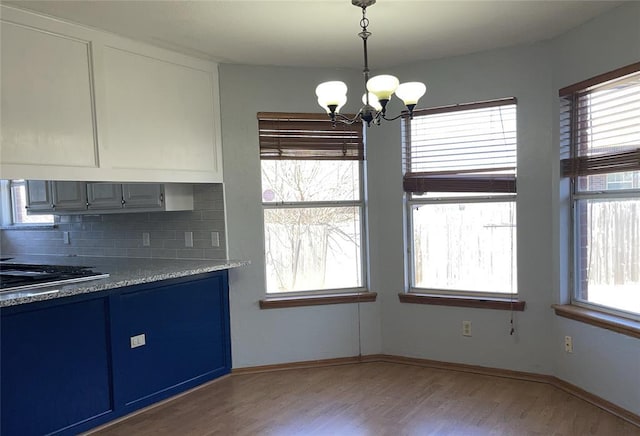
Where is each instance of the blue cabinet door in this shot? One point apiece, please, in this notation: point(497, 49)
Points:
point(55, 366)
point(186, 334)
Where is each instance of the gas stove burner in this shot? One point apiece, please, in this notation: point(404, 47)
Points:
point(19, 276)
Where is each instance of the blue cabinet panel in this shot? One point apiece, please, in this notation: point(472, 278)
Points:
point(66, 365)
point(186, 338)
point(55, 366)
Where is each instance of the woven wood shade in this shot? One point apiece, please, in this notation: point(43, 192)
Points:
point(308, 136)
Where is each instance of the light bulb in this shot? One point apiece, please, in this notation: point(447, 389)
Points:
point(373, 101)
point(383, 86)
point(340, 103)
point(410, 92)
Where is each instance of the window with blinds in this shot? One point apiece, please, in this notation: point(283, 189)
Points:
point(313, 207)
point(600, 124)
point(600, 155)
point(462, 148)
point(460, 176)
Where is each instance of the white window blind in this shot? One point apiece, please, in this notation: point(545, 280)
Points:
point(600, 124)
point(462, 148)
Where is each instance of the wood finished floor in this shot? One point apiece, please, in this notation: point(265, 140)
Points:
point(373, 399)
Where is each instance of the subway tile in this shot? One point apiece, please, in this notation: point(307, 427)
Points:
point(92, 252)
point(115, 252)
point(213, 215)
point(120, 234)
point(139, 252)
point(215, 253)
point(192, 253)
point(128, 243)
point(93, 243)
point(164, 253)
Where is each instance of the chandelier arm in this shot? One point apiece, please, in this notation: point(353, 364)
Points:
point(383, 116)
point(346, 120)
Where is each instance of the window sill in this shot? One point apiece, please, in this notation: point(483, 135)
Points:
point(476, 302)
point(607, 321)
point(317, 300)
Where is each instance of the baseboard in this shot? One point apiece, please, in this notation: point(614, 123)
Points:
point(600, 402)
point(297, 365)
point(597, 401)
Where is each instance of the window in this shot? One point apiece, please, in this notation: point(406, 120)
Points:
point(312, 194)
point(600, 140)
point(18, 193)
point(460, 184)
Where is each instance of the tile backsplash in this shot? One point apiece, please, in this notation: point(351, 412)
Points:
point(121, 235)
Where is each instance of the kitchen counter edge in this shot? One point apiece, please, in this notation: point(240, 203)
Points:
point(132, 272)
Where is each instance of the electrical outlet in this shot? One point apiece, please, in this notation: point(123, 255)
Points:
point(466, 328)
point(146, 240)
point(138, 341)
point(568, 344)
point(215, 239)
point(188, 239)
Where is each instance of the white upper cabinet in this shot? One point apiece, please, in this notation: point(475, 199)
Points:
point(79, 104)
point(46, 92)
point(159, 115)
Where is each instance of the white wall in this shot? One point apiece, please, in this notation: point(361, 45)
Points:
point(261, 337)
point(603, 362)
point(434, 332)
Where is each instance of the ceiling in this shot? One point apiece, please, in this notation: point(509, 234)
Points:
point(324, 32)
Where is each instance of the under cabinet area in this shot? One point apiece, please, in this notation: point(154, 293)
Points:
point(61, 197)
point(68, 365)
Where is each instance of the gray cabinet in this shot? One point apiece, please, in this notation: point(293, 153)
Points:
point(69, 198)
point(104, 196)
point(143, 196)
point(39, 196)
point(69, 195)
point(46, 196)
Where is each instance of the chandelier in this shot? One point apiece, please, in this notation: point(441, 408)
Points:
point(378, 89)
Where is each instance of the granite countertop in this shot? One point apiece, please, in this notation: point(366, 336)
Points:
point(122, 272)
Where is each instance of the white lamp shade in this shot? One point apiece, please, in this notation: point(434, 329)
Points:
point(383, 86)
point(373, 101)
point(331, 93)
point(410, 92)
point(340, 103)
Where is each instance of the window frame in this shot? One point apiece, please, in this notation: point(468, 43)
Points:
point(568, 154)
point(9, 220)
point(360, 204)
point(498, 196)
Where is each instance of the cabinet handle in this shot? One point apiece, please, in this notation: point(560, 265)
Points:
point(53, 206)
point(161, 198)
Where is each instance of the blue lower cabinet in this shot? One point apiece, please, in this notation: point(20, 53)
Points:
point(55, 367)
point(68, 365)
point(186, 339)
